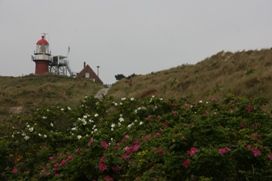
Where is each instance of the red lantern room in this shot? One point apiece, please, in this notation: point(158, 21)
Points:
point(42, 56)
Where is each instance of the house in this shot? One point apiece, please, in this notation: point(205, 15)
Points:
point(88, 73)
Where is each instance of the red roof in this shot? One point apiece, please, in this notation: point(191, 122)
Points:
point(42, 41)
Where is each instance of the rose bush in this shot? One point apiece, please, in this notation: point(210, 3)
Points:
point(151, 139)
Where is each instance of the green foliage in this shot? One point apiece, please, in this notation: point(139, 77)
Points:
point(148, 139)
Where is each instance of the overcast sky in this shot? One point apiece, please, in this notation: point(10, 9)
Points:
point(130, 36)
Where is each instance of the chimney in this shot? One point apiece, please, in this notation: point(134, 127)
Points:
point(84, 65)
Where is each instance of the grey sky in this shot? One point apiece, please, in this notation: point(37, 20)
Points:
point(130, 36)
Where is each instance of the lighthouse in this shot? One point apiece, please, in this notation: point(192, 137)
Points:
point(42, 56)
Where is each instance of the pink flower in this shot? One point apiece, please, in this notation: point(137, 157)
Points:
point(174, 112)
point(51, 158)
point(101, 159)
point(105, 145)
point(174, 104)
point(256, 152)
point(164, 124)
point(63, 162)
point(91, 141)
point(102, 167)
point(249, 146)
point(127, 136)
point(158, 117)
point(160, 151)
point(270, 156)
point(125, 156)
point(44, 147)
point(223, 150)
point(60, 155)
point(70, 157)
point(136, 147)
point(214, 99)
point(77, 150)
point(56, 165)
point(255, 135)
point(57, 175)
point(136, 142)
point(15, 170)
point(116, 169)
point(255, 125)
point(231, 110)
point(149, 117)
point(249, 108)
point(206, 112)
point(157, 134)
point(108, 178)
point(243, 124)
point(116, 148)
point(186, 163)
point(192, 151)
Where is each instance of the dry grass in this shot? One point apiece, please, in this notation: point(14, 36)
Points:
point(246, 73)
point(33, 91)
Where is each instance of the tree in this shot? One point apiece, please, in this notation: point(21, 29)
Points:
point(119, 76)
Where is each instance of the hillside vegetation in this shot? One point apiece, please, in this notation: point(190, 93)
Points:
point(246, 73)
point(23, 93)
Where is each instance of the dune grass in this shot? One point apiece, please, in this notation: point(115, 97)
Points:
point(246, 73)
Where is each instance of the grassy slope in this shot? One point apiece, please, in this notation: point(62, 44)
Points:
point(33, 91)
point(246, 73)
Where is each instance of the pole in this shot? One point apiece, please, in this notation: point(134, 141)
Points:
point(97, 73)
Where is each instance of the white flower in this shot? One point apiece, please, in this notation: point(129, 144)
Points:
point(23, 134)
point(91, 121)
point(123, 99)
point(111, 129)
point(95, 130)
point(161, 99)
point(121, 115)
point(68, 108)
point(51, 124)
point(45, 136)
point(47, 110)
point(39, 134)
point(121, 103)
point(135, 111)
point(28, 126)
point(141, 123)
point(129, 125)
point(112, 125)
point(121, 119)
point(12, 135)
point(79, 137)
point(62, 109)
point(94, 126)
point(111, 139)
point(200, 101)
point(74, 128)
point(26, 137)
point(119, 124)
point(31, 129)
point(135, 121)
point(86, 97)
point(85, 116)
point(132, 99)
point(153, 96)
point(96, 115)
point(84, 122)
point(116, 104)
point(44, 117)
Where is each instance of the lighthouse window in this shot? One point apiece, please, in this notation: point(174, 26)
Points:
point(42, 49)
